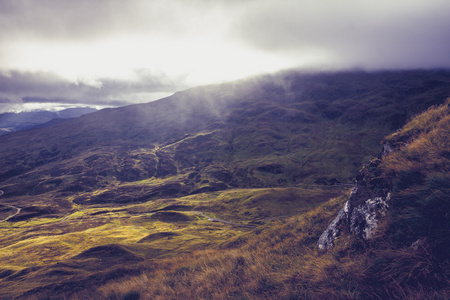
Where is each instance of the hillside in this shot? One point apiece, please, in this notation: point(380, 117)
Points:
point(406, 258)
point(244, 171)
point(272, 131)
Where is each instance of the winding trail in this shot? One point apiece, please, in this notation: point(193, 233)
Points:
point(10, 206)
point(65, 218)
point(68, 216)
point(221, 221)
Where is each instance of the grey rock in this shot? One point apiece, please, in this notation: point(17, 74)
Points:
point(367, 204)
point(386, 150)
point(326, 240)
point(364, 218)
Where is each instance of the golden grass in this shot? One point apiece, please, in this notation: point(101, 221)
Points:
point(419, 124)
point(266, 265)
point(40, 241)
point(43, 242)
point(282, 262)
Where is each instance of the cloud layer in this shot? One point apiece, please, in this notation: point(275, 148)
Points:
point(42, 87)
point(368, 34)
point(118, 52)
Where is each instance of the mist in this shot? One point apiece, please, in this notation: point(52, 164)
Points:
point(117, 53)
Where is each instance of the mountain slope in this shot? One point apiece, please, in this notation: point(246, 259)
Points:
point(280, 130)
point(223, 191)
point(406, 258)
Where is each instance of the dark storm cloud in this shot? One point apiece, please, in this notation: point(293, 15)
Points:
point(24, 87)
point(373, 34)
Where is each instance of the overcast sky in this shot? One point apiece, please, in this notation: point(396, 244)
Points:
point(114, 52)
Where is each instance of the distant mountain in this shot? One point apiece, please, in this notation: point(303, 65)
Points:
point(11, 122)
point(282, 130)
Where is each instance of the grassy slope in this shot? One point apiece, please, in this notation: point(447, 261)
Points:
point(407, 259)
point(65, 254)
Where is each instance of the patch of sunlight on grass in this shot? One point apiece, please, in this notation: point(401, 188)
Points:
point(152, 181)
point(28, 243)
point(35, 222)
point(44, 249)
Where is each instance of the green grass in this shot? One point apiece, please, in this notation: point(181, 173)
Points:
point(48, 243)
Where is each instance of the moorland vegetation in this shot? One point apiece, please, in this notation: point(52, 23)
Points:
point(222, 192)
point(407, 258)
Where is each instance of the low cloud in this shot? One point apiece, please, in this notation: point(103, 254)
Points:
point(178, 44)
point(42, 87)
point(348, 33)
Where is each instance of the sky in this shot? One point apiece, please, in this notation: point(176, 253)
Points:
point(64, 53)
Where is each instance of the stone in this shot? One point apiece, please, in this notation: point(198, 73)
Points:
point(367, 204)
point(326, 240)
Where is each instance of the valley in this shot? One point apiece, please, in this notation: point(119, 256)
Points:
point(234, 182)
point(85, 241)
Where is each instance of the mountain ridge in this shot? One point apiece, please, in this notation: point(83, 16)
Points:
point(253, 133)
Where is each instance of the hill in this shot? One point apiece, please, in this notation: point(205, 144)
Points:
point(244, 169)
point(406, 258)
point(272, 131)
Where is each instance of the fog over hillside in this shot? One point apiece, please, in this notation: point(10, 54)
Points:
point(114, 53)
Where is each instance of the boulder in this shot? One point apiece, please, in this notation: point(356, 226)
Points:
point(367, 204)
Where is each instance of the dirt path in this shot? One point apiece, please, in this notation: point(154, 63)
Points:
point(10, 206)
point(221, 221)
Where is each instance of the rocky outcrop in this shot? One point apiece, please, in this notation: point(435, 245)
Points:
point(368, 202)
point(364, 218)
point(326, 240)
